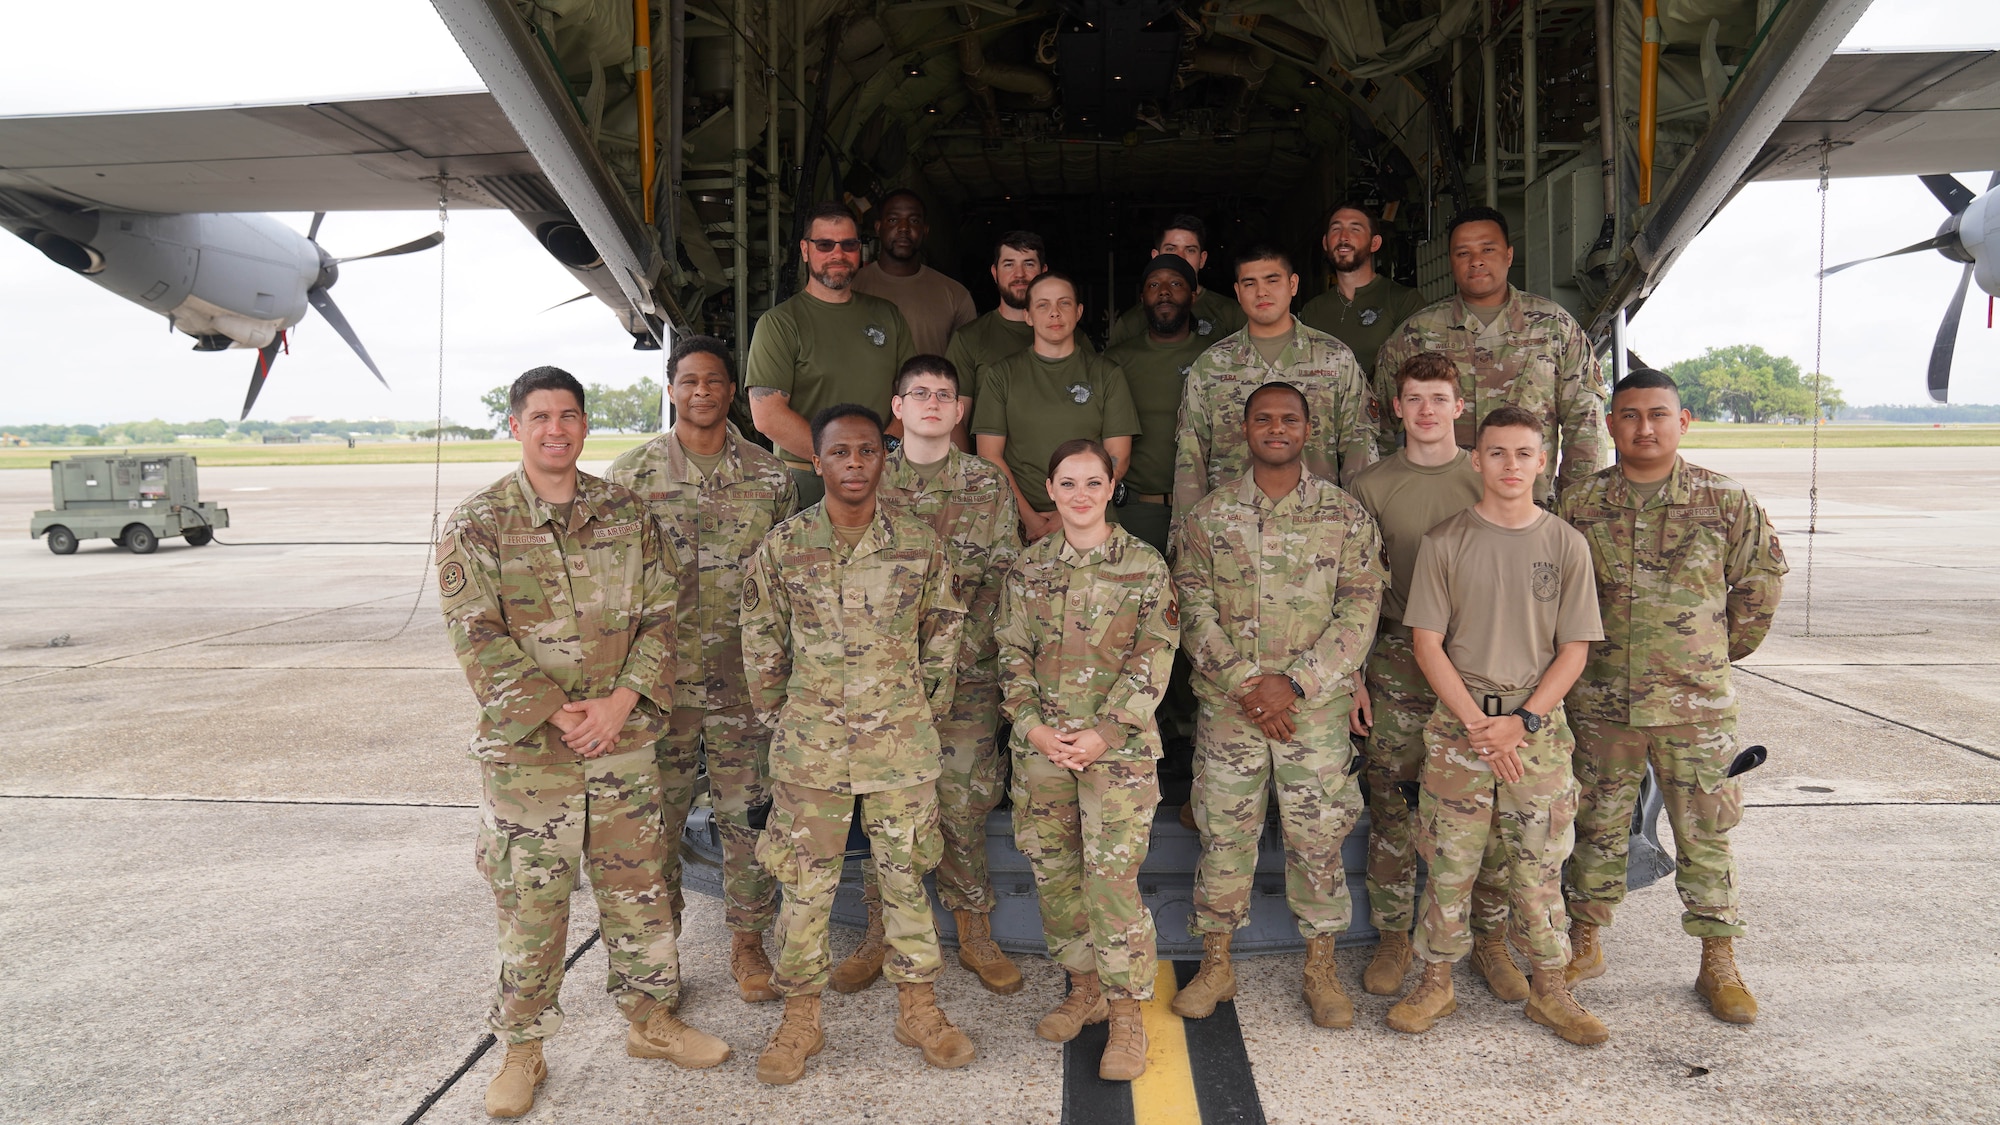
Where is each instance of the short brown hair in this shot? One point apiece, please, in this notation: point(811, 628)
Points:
point(1507, 415)
point(1075, 446)
point(1428, 367)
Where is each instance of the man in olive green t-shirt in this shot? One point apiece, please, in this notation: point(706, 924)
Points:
point(1156, 366)
point(825, 345)
point(1211, 315)
point(1056, 390)
point(1363, 307)
point(1502, 607)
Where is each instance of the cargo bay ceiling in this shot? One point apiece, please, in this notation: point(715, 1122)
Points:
point(703, 125)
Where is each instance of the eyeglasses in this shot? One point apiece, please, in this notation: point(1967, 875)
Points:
point(925, 394)
point(828, 245)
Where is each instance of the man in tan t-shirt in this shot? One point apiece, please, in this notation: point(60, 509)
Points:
point(1411, 491)
point(1502, 607)
point(935, 305)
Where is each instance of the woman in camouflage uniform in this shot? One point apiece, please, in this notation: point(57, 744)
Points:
point(1088, 627)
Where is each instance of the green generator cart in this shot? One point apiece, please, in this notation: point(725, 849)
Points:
point(133, 501)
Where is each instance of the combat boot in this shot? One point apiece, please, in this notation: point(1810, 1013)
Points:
point(1215, 982)
point(512, 1091)
point(1384, 975)
point(797, 1039)
point(1084, 1004)
point(863, 965)
point(1721, 985)
point(1124, 1044)
point(1328, 1001)
point(1492, 960)
point(1553, 1007)
point(977, 953)
point(922, 1024)
point(1430, 1001)
point(664, 1035)
point(1586, 956)
point(751, 967)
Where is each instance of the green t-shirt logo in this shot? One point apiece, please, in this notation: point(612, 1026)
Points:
point(876, 336)
point(1080, 392)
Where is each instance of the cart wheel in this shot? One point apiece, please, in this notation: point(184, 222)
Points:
point(62, 541)
point(200, 536)
point(140, 540)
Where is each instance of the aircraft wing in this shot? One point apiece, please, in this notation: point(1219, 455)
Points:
point(1891, 113)
point(358, 154)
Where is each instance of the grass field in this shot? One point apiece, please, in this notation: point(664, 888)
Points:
point(1705, 435)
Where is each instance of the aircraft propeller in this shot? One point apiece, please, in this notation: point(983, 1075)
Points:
point(1952, 242)
point(322, 300)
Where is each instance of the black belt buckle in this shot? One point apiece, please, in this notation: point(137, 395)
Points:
point(1492, 705)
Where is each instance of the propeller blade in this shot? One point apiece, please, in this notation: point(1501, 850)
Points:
point(266, 356)
point(410, 247)
point(312, 234)
point(323, 301)
point(583, 296)
point(1947, 340)
point(1927, 244)
point(1955, 196)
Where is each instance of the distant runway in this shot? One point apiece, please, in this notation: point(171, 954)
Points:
point(239, 882)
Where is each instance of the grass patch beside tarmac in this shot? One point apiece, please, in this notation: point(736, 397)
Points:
point(604, 447)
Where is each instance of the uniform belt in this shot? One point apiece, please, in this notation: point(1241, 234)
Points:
point(1147, 497)
point(1501, 703)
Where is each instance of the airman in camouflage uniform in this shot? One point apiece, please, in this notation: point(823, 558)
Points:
point(1285, 587)
point(564, 616)
point(1211, 450)
point(1528, 351)
point(1087, 640)
point(1688, 580)
point(852, 651)
point(716, 518)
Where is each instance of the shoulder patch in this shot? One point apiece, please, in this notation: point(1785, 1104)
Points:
point(752, 596)
point(451, 578)
point(447, 546)
point(1173, 611)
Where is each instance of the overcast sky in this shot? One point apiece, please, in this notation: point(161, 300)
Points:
point(71, 352)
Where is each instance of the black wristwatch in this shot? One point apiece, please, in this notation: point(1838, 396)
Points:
point(1296, 689)
point(1530, 722)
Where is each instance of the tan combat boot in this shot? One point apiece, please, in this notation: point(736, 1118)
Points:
point(863, 965)
point(1492, 960)
point(664, 1035)
point(1385, 973)
point(1586, 956)
point(977, 953)
point(1553, 1007)
point(1721, 985)
point(1430, 1001)
point(1215, 982)
point(512, 1091)
point(1328, 1001)
point(1125, 1044)
point(751, 967)
point(922, 1024)
point(1085, 1004)
point(797, 1039)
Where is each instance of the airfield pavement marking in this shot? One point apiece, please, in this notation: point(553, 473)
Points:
point(1197, 1071)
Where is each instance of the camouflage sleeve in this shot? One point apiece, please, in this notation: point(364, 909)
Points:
point(513, 692)
point(1580, 394)
point(1342, 646)
point(982, 610)
point(766, 617)
point(1400, 346)
point(1352, 433)
point(666, 607)
point(1020, 692)
point(1191, 438)
point(1756, 572)
point(1206, 642)
point(787, 504)
point(625, 469)
point(1141, 682)
point(940, 623)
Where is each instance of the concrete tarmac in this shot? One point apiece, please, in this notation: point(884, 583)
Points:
point(239, 826)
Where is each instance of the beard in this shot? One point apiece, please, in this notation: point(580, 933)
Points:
point(835, 281)
point(1167, 318)
point(1013, 302)
point(1359, 260)
point(902, 251)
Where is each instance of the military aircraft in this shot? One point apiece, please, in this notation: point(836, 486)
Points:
point(659, 149)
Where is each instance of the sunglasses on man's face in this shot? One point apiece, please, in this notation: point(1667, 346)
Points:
point(829, 245)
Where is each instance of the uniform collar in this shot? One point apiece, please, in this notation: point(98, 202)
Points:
point(899, 473)
point(1510, 314)
point(1109, 551)
point(1359, 294)
point(816, 530)
point(681, 470)
point(1676, 492)
point(589, 504)
point(1247, 348)
point(1305, 492)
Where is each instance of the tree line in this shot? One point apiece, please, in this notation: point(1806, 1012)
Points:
point(635, 408)
point(157, 432)
point(1745, 383)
